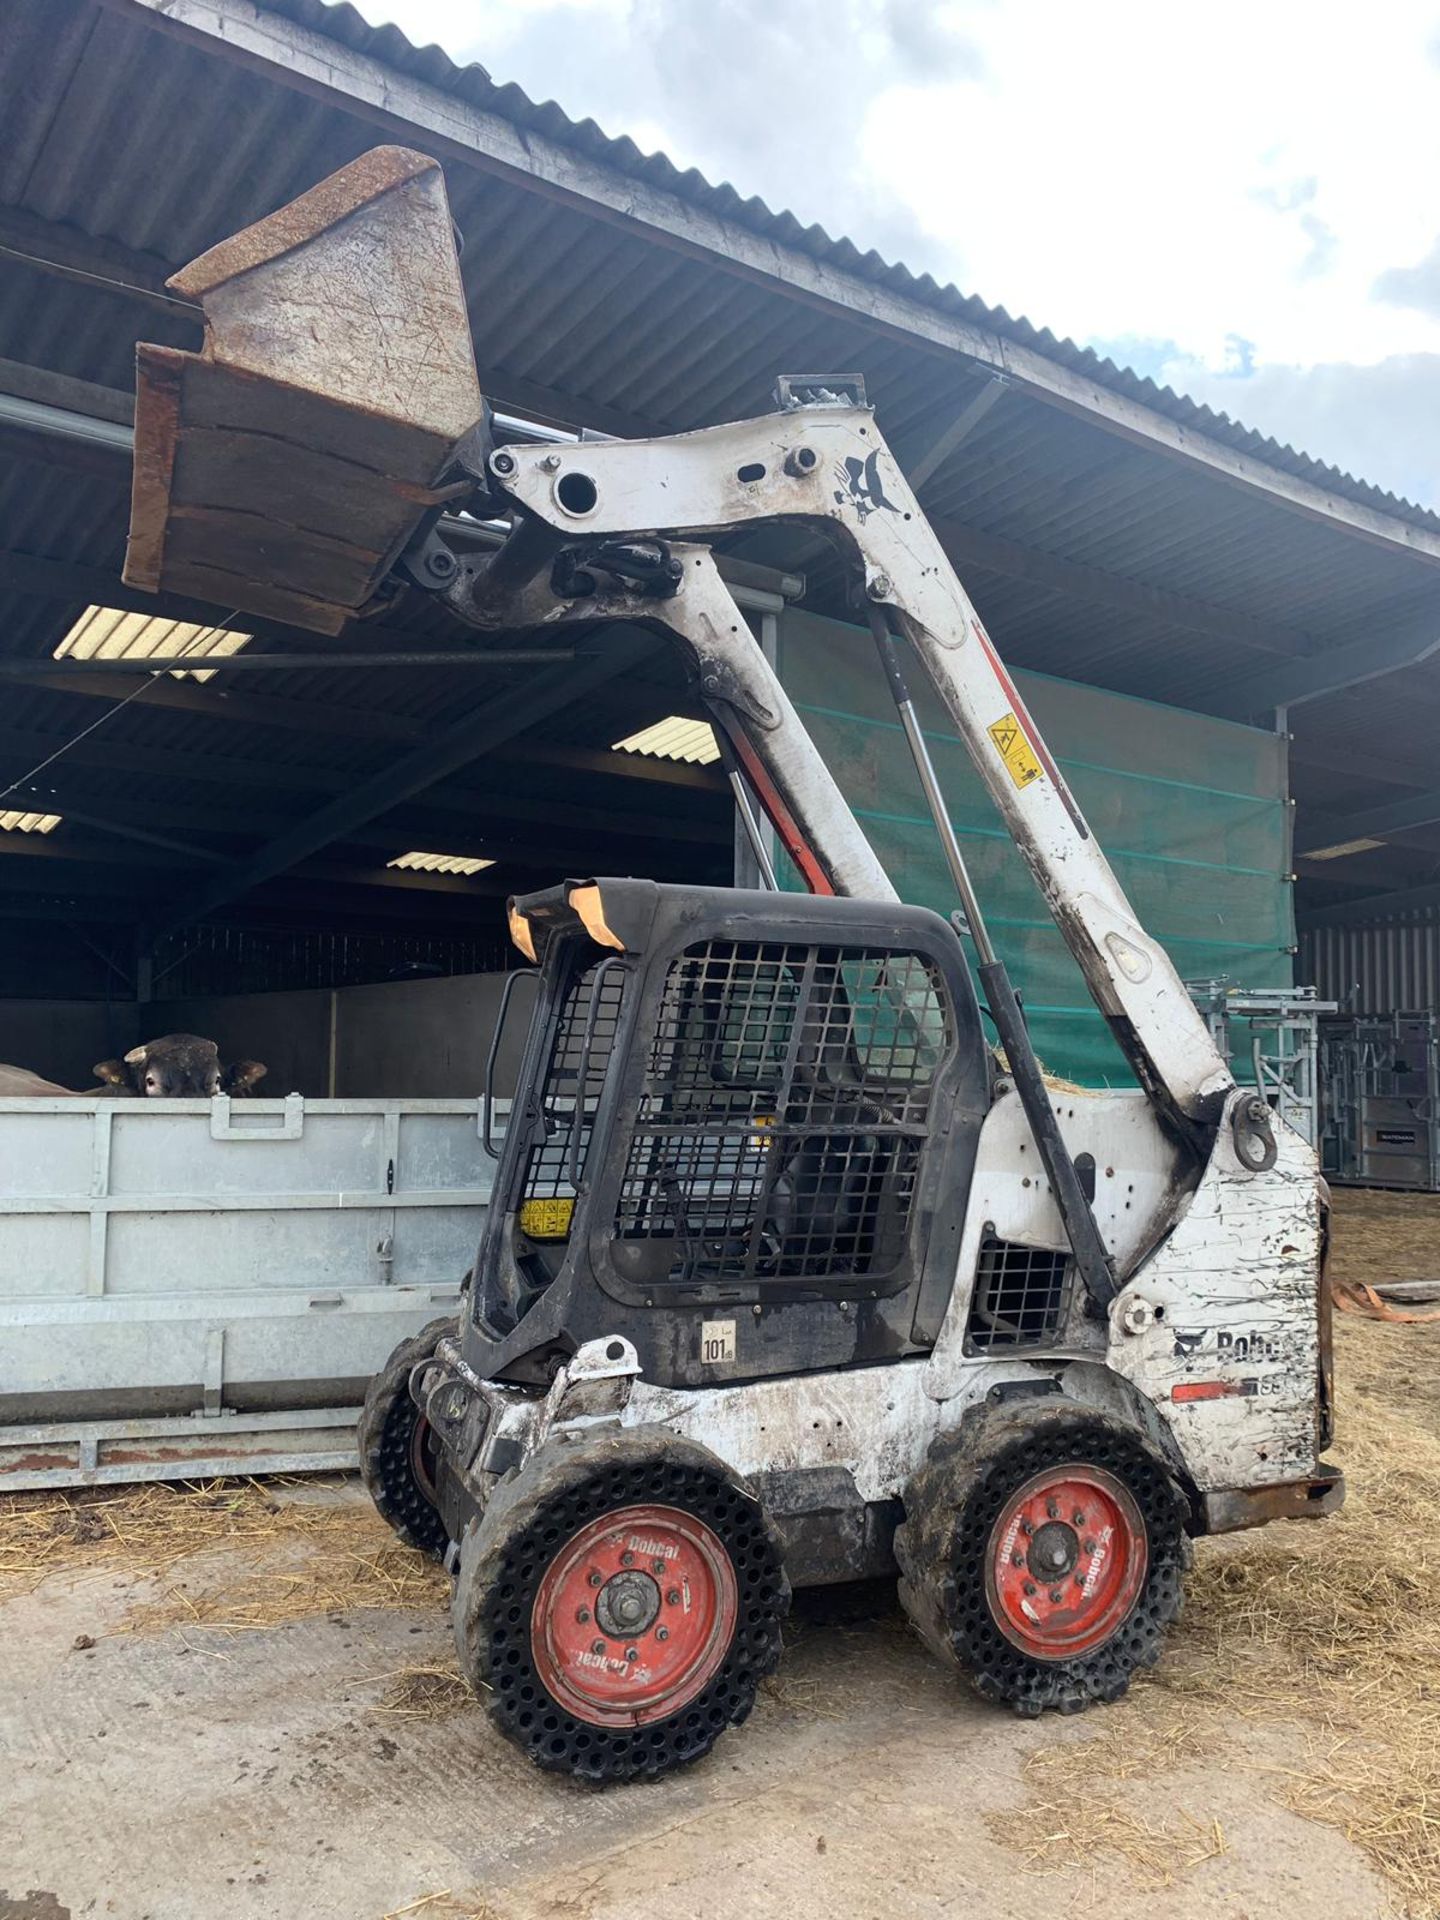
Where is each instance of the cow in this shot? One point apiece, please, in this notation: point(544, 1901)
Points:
point(177, 1066)
point(17, 1083)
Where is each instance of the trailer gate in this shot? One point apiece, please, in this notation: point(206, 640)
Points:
point(191, 1287)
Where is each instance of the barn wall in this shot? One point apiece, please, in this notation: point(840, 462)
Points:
point(62, 1039)
point(290, 1032)
point(411, 1039)
point(1390, 966)
point(425, 1038)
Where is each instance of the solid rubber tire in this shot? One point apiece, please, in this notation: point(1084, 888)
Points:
point(950, 1508)
point(503, 1558)
point(383, 1438)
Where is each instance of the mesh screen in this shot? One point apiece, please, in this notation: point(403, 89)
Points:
point(1019, 1295)
point(579, 1054)
point(787, 1098)
point(1191, 812)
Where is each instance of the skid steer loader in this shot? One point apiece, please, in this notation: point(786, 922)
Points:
point(787, 1278)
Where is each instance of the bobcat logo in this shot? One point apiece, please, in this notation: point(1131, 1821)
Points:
point(860, 485)
point(1188, 1343)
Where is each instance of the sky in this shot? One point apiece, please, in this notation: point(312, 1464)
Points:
point(1240, 199)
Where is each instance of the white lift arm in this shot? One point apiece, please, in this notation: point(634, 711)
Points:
point(828, 465)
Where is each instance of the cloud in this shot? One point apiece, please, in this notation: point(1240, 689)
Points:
point(1376, 422)
point(1417, 287)
point(774, 96)
point(1150, 358)
point(1213, 195)
point(1158, 179)
point(929, 44)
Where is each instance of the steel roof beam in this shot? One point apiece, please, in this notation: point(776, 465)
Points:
point(921, 466)
point(127, 830)
point(486, 832)
point(53, 247)
point(58, 580)
point(1386, 770)
point(1350, 665)
point(477, 822)
point(607, 765)
point(33, 427)
point(312, 63)
point(1384, 866)
point(258, 709)
point(21, 850)
point(455, 746)
point(87, 399)
point(20, 667)
point(472, 886)
point(973, 547)
point(1371, 906)
point(1375, 823)
point(20, 749)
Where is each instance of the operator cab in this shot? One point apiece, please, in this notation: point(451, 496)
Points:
point(735, 1111)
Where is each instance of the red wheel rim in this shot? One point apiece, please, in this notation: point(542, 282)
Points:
point(422, 1457)
point(1066, 1561)
point(634, 1616)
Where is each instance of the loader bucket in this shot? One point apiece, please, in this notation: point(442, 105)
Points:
point(282, 468)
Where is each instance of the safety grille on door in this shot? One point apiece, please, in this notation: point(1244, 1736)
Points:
point(579, 1056)
point(1019, 1295)
point(786, 1105)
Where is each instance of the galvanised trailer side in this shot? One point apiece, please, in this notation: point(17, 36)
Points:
point(195, 1287)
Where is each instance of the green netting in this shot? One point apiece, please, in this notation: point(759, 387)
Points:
point(1192, 813)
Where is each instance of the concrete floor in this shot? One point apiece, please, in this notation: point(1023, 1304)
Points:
point(179, 1775)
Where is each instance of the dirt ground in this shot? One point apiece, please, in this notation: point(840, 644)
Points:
point(241, 1701)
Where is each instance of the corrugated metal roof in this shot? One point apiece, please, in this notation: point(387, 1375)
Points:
point(580, 319)
point(341, 22)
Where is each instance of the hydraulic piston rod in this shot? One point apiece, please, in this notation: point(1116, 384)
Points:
point(1091, 1258)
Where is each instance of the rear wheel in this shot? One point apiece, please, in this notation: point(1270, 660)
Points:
point(397, 1447)
point(618, 1604)
point(1043, 1552)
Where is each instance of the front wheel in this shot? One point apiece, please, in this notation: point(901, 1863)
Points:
point(397, 1448)
point(618, 1603)
point(1043, 1552)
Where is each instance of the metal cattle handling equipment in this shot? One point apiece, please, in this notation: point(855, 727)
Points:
point(786, 1279)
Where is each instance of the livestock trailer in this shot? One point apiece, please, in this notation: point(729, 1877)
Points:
point(191, 1287)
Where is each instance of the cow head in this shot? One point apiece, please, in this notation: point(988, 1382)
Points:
point(179, 1066)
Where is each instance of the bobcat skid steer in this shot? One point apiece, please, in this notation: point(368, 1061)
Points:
point(786, 1280)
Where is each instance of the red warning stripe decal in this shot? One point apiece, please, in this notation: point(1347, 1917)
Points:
point(780, 816)
point(1190, 1390)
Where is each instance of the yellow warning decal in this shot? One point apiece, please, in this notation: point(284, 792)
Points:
point(546, 1219)
point(1015, 750)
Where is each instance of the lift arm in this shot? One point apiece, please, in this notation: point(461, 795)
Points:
point(828, 464)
